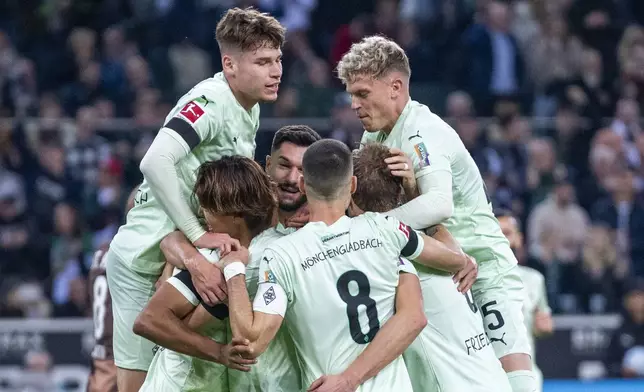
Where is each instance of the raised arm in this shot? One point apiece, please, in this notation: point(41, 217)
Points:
point(390, 341)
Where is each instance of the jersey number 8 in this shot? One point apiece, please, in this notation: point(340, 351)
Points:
point(100, 295)
point(353, 301)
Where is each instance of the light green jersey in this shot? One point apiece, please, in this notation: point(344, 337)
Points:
point(433, 146)
point(276, 369)
point(535, 299)
point(224, 128)
point(174, 372)
point(337, 285)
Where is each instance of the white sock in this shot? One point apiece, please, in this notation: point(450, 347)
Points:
point(522, 381)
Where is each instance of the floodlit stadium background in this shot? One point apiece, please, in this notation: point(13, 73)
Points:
point(546, 95)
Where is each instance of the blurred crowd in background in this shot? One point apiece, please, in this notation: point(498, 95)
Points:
point(546, 95)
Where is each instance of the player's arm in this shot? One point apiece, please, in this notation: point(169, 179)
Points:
point(423, 249)
point(257, 322)
point(194, 124)
point(432, 165)
point(161, 322)
point(177, 249)
point(440, 233)
point(173, 142)
point(543, 323)
point(179, 252)
point(395, 335)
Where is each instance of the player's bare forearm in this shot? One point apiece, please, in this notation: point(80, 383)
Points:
point(543, 325)
point(161, 322)
point(395, 335)
point(437, 255)
point(240, 309)
point(178, 250)
point(440, 233)
point(257, 327)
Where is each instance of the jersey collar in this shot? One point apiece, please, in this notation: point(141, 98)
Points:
point(281, 229)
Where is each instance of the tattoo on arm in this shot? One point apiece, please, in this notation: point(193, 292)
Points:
point(432, 230)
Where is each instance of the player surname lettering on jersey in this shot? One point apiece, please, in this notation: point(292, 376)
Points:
point(340, 250)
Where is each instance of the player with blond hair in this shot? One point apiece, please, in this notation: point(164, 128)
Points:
point(452, 192)
point(218, 117)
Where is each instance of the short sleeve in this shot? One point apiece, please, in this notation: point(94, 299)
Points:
point(196, 121)
point(182, 281)
point(274, 288)
point(401, 236)
point(430, 146)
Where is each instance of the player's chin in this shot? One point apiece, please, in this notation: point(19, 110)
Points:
point(270, 94)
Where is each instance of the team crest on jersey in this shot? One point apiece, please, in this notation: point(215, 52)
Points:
point(423, 155)
point(269, 277)
point(269, 296)
point(192, 111)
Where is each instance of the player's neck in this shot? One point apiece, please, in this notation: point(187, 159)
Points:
point(400, 107)
point(244, 100)
point(327, 212)
point(245, 238)
point(283, 216)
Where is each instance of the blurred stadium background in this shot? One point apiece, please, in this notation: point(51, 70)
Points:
point(546, 95)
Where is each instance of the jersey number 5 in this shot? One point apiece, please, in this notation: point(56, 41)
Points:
point(353, 301)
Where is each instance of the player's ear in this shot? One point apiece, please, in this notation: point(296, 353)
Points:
point(228, 64)
point(354, 184)
point(300, 185)
point(268, 163)
point(396, 87)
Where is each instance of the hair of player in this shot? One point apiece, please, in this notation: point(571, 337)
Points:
point(327, 168)
point(248, 30)
point(378, 190)
point(373, 57)
point(300, 135)
point(237, 186)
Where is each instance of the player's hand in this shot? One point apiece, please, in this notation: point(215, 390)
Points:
point(467, 276)
point(333, 383)
point(220, 241)
point(299, 219)
point(238, 355)
point(241, 254)
point(400, 165)
point(208, 280)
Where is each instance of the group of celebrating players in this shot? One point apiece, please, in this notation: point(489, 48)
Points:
point(381, 269)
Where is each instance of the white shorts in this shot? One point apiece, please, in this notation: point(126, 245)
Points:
point(499, 296)
point(452, 353)
point(130, 292)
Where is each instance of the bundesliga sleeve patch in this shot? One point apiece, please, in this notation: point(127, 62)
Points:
point(191, 112)
point(404, 229)
point(423, 155)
